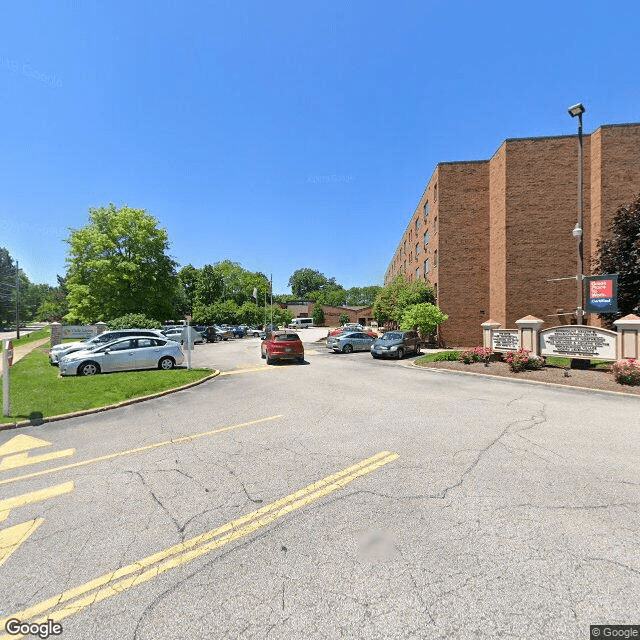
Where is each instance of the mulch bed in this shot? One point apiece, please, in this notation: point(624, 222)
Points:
point(599, 379)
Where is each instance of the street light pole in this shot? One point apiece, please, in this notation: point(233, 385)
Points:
point(578, 231)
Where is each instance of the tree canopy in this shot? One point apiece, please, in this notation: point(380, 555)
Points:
point(620, 253)
point(392, 300)
point(306, 281)
point(118, 264)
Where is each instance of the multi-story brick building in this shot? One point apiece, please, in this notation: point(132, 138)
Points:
point(490, 234)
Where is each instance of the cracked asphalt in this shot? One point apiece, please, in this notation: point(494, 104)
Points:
point(512, 510)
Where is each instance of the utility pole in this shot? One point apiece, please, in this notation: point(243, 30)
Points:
point(271, 291)
point(17, 303)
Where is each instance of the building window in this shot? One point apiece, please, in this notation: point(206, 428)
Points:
point(435, 192)
point(417, 273)
point(435, 258)
point(426, 209)
point(435, 291)
point(418, 221)
point(435, 223)
point(426, 266)
point(426, 238)
point(417, 249)
point(405, 266)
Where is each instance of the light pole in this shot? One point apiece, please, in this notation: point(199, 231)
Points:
point(578, 110)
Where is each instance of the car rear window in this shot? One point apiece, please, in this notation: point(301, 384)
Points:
point(288, 337)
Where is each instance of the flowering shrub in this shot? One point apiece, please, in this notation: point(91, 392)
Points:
point(522, 359)
point(475, 355)
point(626, 371)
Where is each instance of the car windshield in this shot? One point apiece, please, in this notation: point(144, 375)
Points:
point(392, 336)
point(289, 337)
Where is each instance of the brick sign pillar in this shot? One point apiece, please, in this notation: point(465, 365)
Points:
point(528, 328)
point(56, 333)
point(101, 327)
point(487, 328)
point(628, 342)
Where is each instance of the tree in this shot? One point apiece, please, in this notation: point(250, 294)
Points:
point(620, 253)
point(392, 300)
point(304, 281)
point(344, 318)
point(118, 264)
point(318, 315)
point(362, 296)
point(188, 277)
point(133, 321)
point(332, 297)
point(425, 316)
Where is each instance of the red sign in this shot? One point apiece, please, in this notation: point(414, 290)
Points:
point(600, 289)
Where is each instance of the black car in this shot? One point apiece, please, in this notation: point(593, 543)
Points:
point(395, 344)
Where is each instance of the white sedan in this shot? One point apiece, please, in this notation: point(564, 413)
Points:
point(124, 354)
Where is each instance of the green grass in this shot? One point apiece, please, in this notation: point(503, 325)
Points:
point(31, 337)
point(38, 391)
point(554, 361)
point(438, 357)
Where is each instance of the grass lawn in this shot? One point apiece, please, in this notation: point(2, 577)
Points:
point(438, 357)
point(31, 337)
point(38, 391)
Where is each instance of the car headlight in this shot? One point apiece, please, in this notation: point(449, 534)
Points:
point(394, 347)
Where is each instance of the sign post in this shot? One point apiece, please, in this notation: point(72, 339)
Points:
point(7, 361)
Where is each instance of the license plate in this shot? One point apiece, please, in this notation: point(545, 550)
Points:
point(288, 350)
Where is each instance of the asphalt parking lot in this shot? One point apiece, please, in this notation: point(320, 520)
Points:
point(347, 497)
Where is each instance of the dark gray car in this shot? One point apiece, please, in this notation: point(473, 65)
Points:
point(395, 344)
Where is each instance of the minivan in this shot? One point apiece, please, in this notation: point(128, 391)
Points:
point(301, 323)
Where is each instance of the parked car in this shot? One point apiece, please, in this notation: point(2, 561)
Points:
point(346, 329)
point(60, 350)
point(301, 323)
point(223, 332)
point(253, 332)
point(124, 354)
point(394, 344)
point(349, 341)
point(177, 335)
point(282, 345)
point(239, 332)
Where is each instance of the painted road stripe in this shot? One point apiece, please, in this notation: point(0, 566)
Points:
point(12, 537)
point(24, 459)
point(237, 371)
point(70, 602)
point(34, 496)
point(119, 454)
point(21, 443)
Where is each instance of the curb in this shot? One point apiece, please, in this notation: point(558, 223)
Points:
point(547, 384)
point(124, 403)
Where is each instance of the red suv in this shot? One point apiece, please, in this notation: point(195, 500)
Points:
point(282, 345)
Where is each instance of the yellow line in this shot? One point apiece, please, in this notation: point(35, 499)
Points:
point(21, 443)
point(13, 537)
point(60, 606)
point(24, 459)
point(34, 496)
point(237, 371)
point(149, 447)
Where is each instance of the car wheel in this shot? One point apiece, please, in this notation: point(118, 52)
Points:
point(88, 369)
point(300, 360)
point(400, 353)
point(269, 359)
point(262, 354)
point(166, 363)
point(347, 348)
point(374, 356)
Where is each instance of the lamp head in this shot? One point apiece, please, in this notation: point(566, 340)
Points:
point(577, 231)
point(576, 110)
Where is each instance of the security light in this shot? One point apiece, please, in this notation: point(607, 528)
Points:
point(577, 231)
point(576, 110)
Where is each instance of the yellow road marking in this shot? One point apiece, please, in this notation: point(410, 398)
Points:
point(21, 443)
point(236, 371)
point(70, 602)
point(34, 496)
point(118, 454)
point(13, 537)
point(24, 459)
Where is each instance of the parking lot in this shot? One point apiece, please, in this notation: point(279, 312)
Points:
point(346, 497)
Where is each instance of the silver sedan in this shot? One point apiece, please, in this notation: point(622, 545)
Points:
point(349, 342)
point(125, 354)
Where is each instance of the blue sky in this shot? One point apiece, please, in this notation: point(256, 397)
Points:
point(286, 134)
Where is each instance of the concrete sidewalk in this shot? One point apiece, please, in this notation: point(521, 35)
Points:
point(22, 350)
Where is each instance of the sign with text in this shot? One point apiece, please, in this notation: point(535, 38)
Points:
point(78, 331)
point(578, 342)
point(602, 293)
point(505, 340)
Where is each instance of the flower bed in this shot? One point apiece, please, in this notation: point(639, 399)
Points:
point(627, 371)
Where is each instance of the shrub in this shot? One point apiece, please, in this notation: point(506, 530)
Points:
point(475, 355)
point(133, 321)
point(444, 356)
point(627, 371)
point(522, 359)
point(344, 318)
point(318, 315)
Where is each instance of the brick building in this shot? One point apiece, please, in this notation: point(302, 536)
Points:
point(488, 234)
point(304, 309)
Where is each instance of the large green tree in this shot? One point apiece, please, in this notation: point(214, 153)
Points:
point(392, 300)
point(118, 264)
point(305, 281)
point(620, 253)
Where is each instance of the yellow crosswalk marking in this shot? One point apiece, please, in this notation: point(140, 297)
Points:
point(24, 459)
point(21, 443)
point(12, 537)
point(34, 496)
